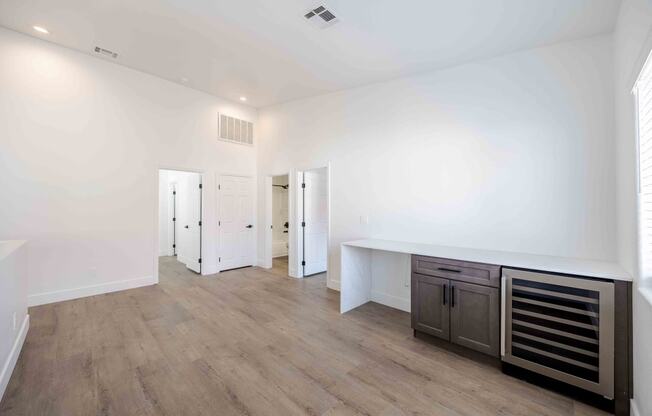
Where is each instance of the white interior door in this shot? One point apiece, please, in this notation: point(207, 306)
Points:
point(184, 252)
point(193, 223)
point(315, 217)
point(236, 219)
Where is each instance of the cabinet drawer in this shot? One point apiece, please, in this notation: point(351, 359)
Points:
point(464, 271)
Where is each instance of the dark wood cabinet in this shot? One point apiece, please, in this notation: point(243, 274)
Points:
point(430, 313)
point(458, 305)
point(463, 271)
point(447, 306)
point(475, 317)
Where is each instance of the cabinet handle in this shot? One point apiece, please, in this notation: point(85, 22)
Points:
point(444, 269)
point(443, 293)
point(452, 296)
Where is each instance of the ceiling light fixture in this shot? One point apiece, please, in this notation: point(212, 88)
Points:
point(243, 98)
point(41, 30)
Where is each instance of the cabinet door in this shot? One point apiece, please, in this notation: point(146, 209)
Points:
point(475, 317)
point(430, 312)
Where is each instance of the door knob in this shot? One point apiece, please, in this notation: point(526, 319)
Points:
point(250, 226)
point(185, 226)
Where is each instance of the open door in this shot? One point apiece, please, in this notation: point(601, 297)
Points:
point(315, 221)
point(193, 223)
point(236, 222)
point(180, 216)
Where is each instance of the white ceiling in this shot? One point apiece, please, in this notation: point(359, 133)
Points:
point(267, 51)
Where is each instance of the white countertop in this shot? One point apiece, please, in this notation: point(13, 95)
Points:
point(581, 267)
point(9, 246)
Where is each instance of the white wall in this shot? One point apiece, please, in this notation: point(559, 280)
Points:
point(513, 153)
point(632, 44)
point(81, 143)
point(14, 321)
point(165, 214)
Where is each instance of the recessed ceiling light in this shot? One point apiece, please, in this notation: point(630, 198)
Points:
point(243, 98)
point(184, 80)
point(41, 29)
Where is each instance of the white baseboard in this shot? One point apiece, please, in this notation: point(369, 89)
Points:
point(333, 284)
point(84, 291)
point(391, 301)
point(263, 264)
point(10, 362)
point(292, 272)
point(208, 270)
point(634, 408)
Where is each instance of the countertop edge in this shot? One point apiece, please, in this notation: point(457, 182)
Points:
point(566, 265)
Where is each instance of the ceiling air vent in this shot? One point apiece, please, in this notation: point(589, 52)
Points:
point(321, 16)
point(235, 130)
point(106, 52)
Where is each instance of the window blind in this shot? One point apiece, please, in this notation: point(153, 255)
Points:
point(643, 94)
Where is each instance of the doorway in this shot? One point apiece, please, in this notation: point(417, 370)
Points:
point(308, 228)
point(180, 218)
point(280, 223)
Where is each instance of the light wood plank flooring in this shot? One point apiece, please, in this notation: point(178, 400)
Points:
point(280, 265)
point(249, 342)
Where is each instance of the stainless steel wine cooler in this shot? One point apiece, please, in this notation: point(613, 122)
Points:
point(561, 327)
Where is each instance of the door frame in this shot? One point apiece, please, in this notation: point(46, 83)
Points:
point(295, 208)
point(157, 214)
point(172, 217)
point(254, 219)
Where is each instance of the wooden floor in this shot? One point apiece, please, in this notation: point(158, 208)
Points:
point(249, 342)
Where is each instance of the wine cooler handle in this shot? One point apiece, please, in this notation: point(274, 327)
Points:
point(503, 320)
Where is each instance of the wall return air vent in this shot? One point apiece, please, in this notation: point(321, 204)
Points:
point(235, 130)
point(321, 17)
point(105, 52)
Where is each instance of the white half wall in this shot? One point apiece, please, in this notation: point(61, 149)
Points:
point(81, 143)
point(14, 320)
point(514, 153)
point(632, 44)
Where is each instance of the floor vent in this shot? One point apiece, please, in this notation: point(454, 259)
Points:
point(321, 16)
point(235, 130)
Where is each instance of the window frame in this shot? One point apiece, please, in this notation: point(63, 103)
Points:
point(644, 275)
